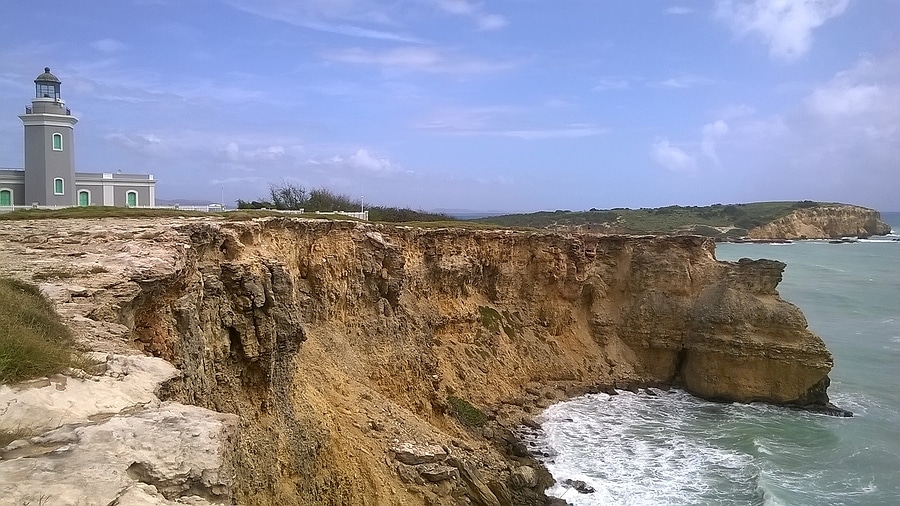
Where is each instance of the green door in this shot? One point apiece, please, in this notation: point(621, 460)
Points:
point(5, 198)
point(131, 199)
point(84, 198)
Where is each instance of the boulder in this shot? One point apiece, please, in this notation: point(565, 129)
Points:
point(414, 454)
point(437, 472)
point(523, 477)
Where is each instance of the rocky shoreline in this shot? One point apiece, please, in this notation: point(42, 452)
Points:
point(347, 363)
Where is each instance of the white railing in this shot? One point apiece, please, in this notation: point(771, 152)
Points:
point(364, 215)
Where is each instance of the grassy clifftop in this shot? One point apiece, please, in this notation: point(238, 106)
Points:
point(718, 220)
point(33, 341)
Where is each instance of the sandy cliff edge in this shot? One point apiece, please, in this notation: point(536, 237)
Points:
point(338, 344)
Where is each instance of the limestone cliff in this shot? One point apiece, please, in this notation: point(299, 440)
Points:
point(823, 222)
point(338, 344)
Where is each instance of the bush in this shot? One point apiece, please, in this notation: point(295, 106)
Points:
point(395, 215)
point(287, 196)
point(33, 342)
point(466, 413)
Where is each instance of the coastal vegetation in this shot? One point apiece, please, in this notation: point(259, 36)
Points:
point(735, 219)
point(291, 197)
point(466, 413)
point(33, 341)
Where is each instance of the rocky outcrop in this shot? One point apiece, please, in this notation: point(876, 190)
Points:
point(107, 439)
point(823, 222)
point(338, 345)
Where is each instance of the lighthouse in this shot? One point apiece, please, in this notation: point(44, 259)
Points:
point(49, 146)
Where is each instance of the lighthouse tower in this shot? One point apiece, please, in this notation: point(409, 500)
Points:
point(49, 146)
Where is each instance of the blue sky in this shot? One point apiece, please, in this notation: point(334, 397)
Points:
point(511, 105)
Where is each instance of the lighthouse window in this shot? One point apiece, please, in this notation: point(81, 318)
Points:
point(57, 142)
point(47, 91)
point(58, 186)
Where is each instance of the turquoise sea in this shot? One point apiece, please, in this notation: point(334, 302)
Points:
point(674, 449)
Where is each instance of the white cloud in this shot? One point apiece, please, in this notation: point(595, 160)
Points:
point(861, 103)
point(711, 133)
point(686, 81)
point(145, 144)
point(838, 100)
point(841, 141)
point(357, 31)
point(108, 45)
point(233, 153)
point(365, 161)
point(425, 59)
point(342, 17)
point(672, 157)
point(491, 22)
point(786, 26)
point(503, 121)
point(475, 11)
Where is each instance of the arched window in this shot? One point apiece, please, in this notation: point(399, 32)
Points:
point(57, 142)
point(6, 197)
point(59, 186)
point(131, 198)
point(84, 198)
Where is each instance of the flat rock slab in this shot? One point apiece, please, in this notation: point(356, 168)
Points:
point(42, 405)
point(169, 454)
point(415, 454)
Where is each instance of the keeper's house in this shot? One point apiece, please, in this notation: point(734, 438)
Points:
point(49, 178)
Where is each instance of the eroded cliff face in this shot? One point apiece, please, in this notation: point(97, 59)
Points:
point(337, 343)
point(824, 222)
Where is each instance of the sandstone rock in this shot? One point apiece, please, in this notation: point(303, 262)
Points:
point(286, 321)
point(166, 452)
point(128, 381)
point(414, 454)
point(523, 477)
point(436, 472)
point(409, 474)
point(477, 490)
point(824, 222)
point(501, 492)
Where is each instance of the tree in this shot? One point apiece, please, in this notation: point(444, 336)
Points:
point(287, 196)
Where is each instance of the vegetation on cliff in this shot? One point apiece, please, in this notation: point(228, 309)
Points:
point(33, 342)
point(735, 219)
point(286, 196)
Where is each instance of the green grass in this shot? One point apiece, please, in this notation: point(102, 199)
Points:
point(466, 413)
point(33, 341)
point(492, 320)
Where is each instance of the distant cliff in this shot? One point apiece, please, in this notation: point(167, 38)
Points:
point(756, 220)
point(824, 222)
point(376, 365)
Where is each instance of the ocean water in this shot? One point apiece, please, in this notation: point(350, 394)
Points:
point(674, 449)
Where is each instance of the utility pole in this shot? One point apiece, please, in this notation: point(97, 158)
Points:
point(362, 207)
